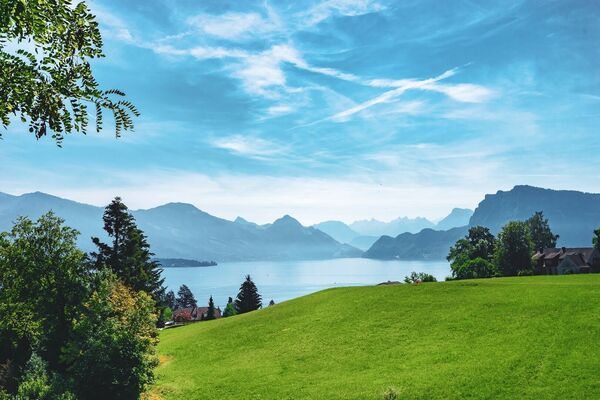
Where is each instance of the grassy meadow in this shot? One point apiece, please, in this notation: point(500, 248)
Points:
point(506, 338)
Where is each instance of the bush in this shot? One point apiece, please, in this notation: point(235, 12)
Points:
point(183, 316)
point(419, 277)
point(39, 384)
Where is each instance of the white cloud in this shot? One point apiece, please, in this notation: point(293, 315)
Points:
point(463, 92)
point(249, 146)
point(232, 26)
point(348, 8)
point(112, 26)
point(279, 109)
point(264, 198)
point(401, 86)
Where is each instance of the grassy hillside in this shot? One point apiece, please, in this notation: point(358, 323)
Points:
point(529, 337)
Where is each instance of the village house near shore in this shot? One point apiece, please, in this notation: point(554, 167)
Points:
point(564, 260)
point(193, 314)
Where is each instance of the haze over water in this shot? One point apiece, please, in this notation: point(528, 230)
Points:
point(284, 280)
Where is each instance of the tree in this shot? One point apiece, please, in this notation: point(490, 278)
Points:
point(479, 245)
point(248, 298)
point(476, 268)
point(514, 249)
point(229, 310)
point(482, 242)
point(169, 300)
point(185, 298)
point(43, 277)
point(418, 277)
point(168, 314)
point(271, 303)
point(40, 384)
point(129, 255)
point(112, 354)
point(52, 85)
point(541, 234)
point(596, 238)
point(210, 313)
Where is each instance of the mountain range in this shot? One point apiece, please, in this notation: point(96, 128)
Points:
point(362, 234)
point(182, 231)
point(179, 230)
point(571, 214)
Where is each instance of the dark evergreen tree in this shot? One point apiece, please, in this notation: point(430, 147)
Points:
point(271, 303)
point(129, 255)
point(229, 309)
point(541, 234)
point(248, 298)
point(210, 313)
point(185, 298)
point(170, 300)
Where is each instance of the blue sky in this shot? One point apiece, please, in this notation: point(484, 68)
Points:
point(339, 109)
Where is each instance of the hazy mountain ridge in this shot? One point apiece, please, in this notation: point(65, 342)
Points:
point(457, 217)
point(180, 230)
point(374, 227)
point(362, 234)
point(571, 214)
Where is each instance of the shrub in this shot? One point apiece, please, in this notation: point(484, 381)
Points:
point(418, 277)
point(183, 316)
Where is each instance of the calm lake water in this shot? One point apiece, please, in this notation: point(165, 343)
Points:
point(284, 280)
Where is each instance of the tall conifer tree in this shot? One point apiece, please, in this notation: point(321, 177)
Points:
point(185, 298)
point(210, 313)
point(248, 298)
point(129, 255)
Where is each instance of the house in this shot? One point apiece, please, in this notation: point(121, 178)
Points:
point(193, 314)
point(564, 260)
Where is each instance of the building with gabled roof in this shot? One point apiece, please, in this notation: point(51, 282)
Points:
point(565, 260)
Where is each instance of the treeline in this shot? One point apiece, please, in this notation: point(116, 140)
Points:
point(248, 299)
point(76, 325)
point(482, 255)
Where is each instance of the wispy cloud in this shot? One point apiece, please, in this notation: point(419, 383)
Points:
point(232, 25)
point(112, 26)
point(249, 146)
point(401, 86)
point(463, 92)
point(349, 8)
point(279, 109)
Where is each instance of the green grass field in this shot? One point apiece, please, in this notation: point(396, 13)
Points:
point(509, 338)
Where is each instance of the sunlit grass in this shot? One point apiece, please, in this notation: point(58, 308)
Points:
point(510, 338)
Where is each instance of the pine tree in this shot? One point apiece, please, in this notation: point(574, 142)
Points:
point(210, 313)
point(185, 298)
point(271, 303)
point(229, 309)
point(129, 255)
point(248, 298)
point(169, 300)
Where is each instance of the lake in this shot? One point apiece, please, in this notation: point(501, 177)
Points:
point(284, 280)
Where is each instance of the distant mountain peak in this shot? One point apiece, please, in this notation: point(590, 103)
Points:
point(38, 194)
point(179, 206)
point(287, 220)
